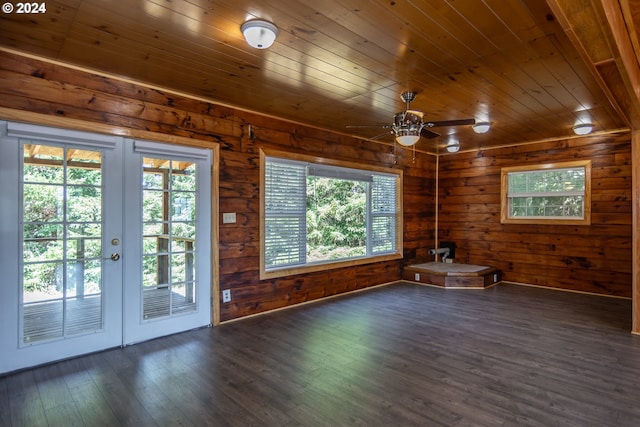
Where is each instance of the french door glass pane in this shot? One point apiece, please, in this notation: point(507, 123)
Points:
point(169, 230)
point(62, 242)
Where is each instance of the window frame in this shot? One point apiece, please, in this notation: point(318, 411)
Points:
point(504, 202)
point(329, 264)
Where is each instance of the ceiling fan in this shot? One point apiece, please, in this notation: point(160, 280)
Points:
point(409, 125)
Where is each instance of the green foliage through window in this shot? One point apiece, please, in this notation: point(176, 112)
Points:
point(336, 219)
point(62, 221)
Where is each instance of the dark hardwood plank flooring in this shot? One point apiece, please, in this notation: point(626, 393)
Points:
point(400, 355)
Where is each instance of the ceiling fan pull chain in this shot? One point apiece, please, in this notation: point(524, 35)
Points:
point(395, 155)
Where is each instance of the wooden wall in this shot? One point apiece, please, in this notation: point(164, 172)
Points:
point(595, 258)
point(72, 96)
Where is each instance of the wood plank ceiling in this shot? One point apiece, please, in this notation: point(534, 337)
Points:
point(514, 63)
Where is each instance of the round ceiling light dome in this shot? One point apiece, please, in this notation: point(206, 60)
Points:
point(583, 128)
point(481, 127)
point(453, 148)
point(259, 33)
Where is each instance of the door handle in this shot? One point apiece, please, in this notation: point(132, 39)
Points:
point(115, 256)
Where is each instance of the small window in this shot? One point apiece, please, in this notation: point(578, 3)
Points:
point(558, 193)
point(315, 213)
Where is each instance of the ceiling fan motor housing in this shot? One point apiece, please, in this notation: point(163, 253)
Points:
point(408, 120)
point(407, 123)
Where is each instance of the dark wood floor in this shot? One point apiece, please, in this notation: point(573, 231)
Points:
point(398, 355)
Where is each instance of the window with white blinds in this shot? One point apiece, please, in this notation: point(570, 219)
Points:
point(314, 214)
point(558, 193)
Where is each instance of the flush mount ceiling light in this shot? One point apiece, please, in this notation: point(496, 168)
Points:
point(259, 34)
point(453, 146)
point(481, 127)
point(583, 128)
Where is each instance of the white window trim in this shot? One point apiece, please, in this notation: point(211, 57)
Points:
point(323, 266)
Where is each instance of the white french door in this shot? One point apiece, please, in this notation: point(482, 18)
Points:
point(105, 242)
point(167, 289)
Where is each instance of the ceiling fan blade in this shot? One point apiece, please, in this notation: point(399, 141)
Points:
point(373, 138)
point(382, 135)
point(460, 122)
point(383, 126)
point(426, 133)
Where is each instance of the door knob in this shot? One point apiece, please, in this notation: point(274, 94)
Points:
point(115, 256)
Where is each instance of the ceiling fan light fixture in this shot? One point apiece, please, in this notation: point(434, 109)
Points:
point(481, 127)
point(407, 140)
point(407, 126)
point(583, 128)
point(259, 33)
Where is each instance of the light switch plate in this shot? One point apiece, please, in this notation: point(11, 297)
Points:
point(229, 218)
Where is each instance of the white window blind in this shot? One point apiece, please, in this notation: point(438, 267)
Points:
point(563, 181)
point(339, 173)
point(285, 213)
point(547, 193)
point(173, 150)
point(383, 214)
point(64, 136)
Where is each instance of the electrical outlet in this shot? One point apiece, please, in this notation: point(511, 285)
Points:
point(417, 276)
point(226, 295)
